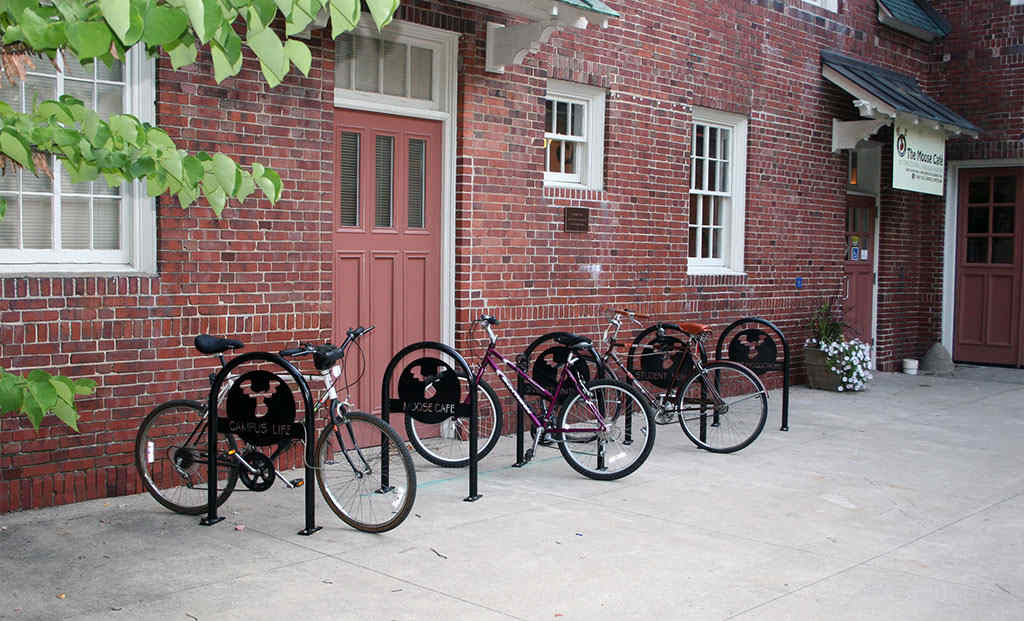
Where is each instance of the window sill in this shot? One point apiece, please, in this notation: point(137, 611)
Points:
point(63, 271)
point(698, 270)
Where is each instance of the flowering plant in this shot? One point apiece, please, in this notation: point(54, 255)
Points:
point(849, 360)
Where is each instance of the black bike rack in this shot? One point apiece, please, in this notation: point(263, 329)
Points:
point(390, 404)
point(524, 360)
point(309, 430)
point(755, 349)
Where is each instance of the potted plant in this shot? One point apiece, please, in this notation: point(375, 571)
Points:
point(834, 363)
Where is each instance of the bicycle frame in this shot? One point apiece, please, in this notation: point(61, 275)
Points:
point(490, 360)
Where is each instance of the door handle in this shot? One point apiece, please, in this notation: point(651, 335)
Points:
point(846, 288)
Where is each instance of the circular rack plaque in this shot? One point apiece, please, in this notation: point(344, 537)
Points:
point(429, 390)
point(754, 348)
point(260, 408)
point(659, 359)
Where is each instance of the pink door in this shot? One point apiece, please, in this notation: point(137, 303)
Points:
point(987, 326)
point(387, 239)
point(858, 267)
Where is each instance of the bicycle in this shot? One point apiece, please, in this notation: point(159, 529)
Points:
point(171, 451)
point(604, 430)
point(721, 406)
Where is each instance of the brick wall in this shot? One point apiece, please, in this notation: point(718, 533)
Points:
point(261, 272)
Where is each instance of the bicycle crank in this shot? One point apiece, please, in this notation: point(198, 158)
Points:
point(257, 471)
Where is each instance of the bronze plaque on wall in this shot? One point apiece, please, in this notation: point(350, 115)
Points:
point(577, 220)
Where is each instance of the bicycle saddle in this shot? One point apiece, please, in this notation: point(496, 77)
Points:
point(573, 341)
point(695, 329)
point(208, 344)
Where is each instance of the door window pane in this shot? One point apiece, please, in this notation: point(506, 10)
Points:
point(422, 73)
point(977, 250)
point(1002, 219)
point(385, 175)
point(417, 177)
point(977, 219)
point(977, 190)
point(1004, 190)
point(349, 179)
point(393, 57)
point(1002, 250)
point(106, 224)
point(10, 224)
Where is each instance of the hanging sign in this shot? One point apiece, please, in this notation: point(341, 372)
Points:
point(918, 158)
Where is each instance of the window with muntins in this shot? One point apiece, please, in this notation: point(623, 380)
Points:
point(717, 192)
point(574, 135)
point(61, 226)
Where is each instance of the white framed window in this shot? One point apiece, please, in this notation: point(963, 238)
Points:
point(401, 68)
point(830, 5)
point(574, 135)
point(718, 165)
point(63, 227)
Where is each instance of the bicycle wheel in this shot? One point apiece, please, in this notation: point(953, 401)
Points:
point(624, 444)
point(351, 475)
point(171, 457)
point(447, 443)
point(724, 408)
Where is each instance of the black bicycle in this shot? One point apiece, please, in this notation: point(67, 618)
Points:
point(171, 451)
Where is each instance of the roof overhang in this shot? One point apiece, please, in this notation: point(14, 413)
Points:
point(509, 45)
point(881, 94)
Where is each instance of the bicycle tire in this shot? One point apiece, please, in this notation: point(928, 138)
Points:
point(741, 418)
point(348, 491)
point(446, 444)
point(628, 441)
point(179, 425)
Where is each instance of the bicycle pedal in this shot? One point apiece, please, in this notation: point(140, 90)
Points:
point(528, 455)
point(297, 482)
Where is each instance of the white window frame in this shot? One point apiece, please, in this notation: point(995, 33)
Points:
point(138, 213)
point(591, 170)
point(404, 33)
point(734, 220)
point(828, 5)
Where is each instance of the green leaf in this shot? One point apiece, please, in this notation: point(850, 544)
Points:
point(67, 414)
point(159, 138)
point(382, 11)
point(89, 39)
point(223, 68)
point(118, 15)
point(11, 393)
point(40, 33)
point(224, 170)
point(41, 390)
point(217, 199)
point(33, 411)
point(85, 386)
point(270, 51)
point(182, 54)
point(16, 147)
point(54, 110)
point(244, 187)
point(205, 16)
point(137, 9)
point(125, 127)
point(270, 183)
point(141, 167)
point(3, 208)
point(344, 16)
point(299, 55)
point(265, 11)
point(64, 387)
point(164, 25)
point(300, 14)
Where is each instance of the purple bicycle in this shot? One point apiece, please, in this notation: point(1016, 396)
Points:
point(603, 428)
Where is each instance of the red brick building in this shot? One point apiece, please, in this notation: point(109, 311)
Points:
point(709, 144)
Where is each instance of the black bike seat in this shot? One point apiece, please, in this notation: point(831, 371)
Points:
point(208, 344)
point(573, 341)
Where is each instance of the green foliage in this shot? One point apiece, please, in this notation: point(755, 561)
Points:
point(825, 326)
point(40, 393)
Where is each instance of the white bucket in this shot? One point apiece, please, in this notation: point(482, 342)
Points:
point(910, 366)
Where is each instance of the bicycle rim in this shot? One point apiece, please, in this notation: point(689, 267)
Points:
point(728, 424)
point(625, 443)
point(446, 444)
point(352, 476)
point(170, 457)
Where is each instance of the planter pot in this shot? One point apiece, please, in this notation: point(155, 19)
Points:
point(819, 375)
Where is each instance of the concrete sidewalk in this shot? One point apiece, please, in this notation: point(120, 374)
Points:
point(902, 502)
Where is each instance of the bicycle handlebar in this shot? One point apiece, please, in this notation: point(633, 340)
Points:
point(324, 356)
